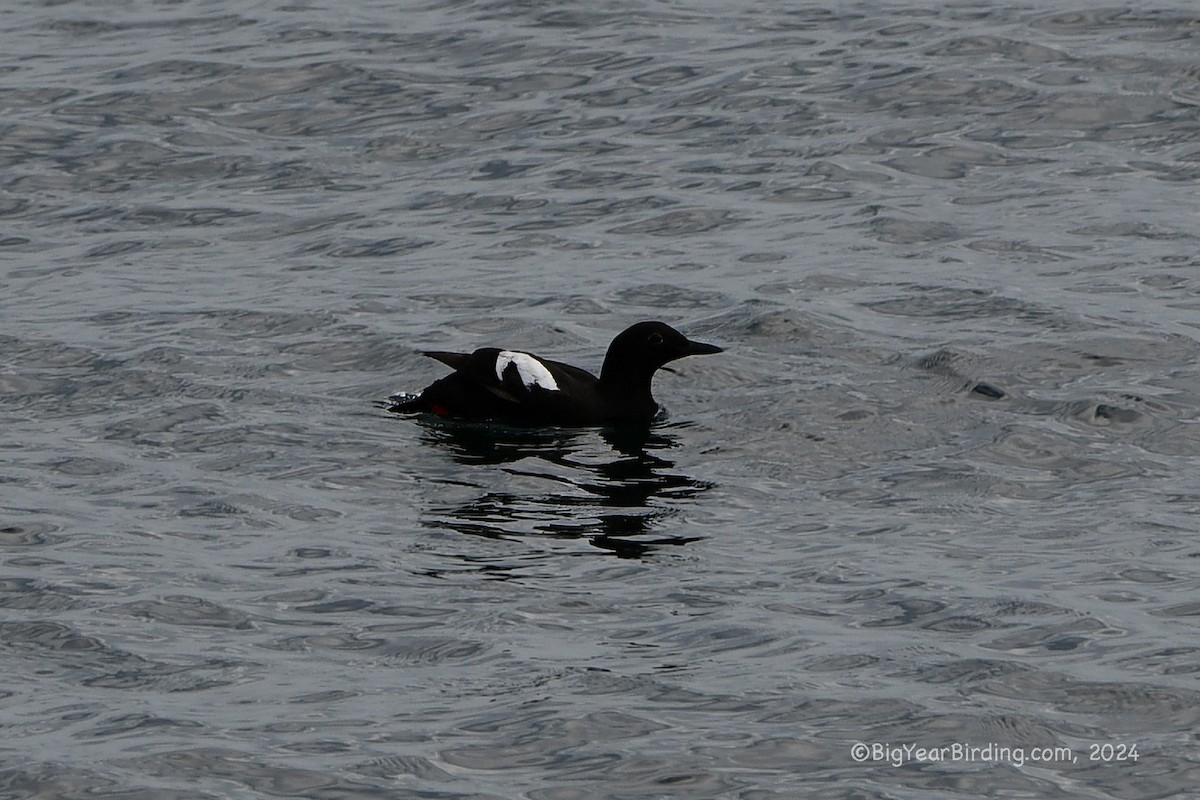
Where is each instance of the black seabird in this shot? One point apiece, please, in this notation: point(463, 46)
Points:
point(510, 386)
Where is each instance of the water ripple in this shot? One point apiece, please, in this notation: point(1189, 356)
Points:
point(939, 487)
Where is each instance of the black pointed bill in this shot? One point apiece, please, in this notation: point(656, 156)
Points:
point(702, 349)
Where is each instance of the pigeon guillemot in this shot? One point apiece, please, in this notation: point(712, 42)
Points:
point(509, 386)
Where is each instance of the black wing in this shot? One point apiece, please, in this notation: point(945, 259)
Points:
point(451, 360)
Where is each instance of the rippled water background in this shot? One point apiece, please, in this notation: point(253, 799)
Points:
point(940, 489)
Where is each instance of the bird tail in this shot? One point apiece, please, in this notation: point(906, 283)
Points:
point(404, 403)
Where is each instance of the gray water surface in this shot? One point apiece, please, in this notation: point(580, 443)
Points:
point(940, 490)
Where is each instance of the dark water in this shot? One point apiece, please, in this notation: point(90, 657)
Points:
point(939, 492)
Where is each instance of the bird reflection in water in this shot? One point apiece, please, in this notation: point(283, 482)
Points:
point(608, 491)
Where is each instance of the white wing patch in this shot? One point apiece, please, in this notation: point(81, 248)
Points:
point(532, 372)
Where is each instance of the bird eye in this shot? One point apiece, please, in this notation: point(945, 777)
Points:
point(655, 339)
